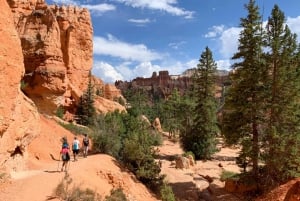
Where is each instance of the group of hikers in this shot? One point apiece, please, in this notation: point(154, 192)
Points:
point(65, 150)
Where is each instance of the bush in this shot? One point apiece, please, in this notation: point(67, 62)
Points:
point(189, 153)
point(60, 112)
point(166, 193)
point(229, 175)
point(65, 193)
point(76, 129)
point(116, 195)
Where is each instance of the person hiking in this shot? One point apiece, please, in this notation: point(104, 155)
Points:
point(64, 141)
point(75, 147)
point(65, 156)
point(85, 143)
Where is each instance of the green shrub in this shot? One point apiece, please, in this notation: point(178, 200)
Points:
point(229, 175)
point(189, 153)
point(23, 85)
point(60, 112)
point(166, 193)
point(76, 129)
point(116, 195)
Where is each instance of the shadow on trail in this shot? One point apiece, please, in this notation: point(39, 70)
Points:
point(185, 191)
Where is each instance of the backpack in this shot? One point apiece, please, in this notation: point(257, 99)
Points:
point(86, 141)
point(65, 156)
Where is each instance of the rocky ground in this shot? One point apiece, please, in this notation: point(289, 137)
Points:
point(202, 181)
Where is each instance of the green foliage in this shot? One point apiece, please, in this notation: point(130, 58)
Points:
point(201, 137)
point(86, 111)
point(76, 129)
point(229, 175)
point(283, 130)
point(60, 112)
point(23, 85)
point(65, 192)
point(109, 131)
point(189, 153)
point(245, 102)
point(262, 109)
point(166, 193)
point(131, 141)
point(116, 195)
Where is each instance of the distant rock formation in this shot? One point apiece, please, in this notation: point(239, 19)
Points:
point(57, 47)
point(18, 114)
point(163, 84)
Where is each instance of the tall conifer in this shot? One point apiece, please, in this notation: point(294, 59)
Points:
point(202, 138)
point(86, 110)
point(283, 130)
point(244, 107)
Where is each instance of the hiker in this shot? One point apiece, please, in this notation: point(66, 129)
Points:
point(65, 156)
point(65, 143)
point(85, 143)
point(75, 147)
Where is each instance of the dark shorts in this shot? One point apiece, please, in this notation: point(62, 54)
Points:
point(75, 151)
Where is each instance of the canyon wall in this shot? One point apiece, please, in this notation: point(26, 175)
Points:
point(18, 114)
point(58, 53)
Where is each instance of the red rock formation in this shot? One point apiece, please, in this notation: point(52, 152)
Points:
point(18, 114)
point(57, 47)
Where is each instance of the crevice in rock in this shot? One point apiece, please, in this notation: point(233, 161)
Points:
point(17, 151)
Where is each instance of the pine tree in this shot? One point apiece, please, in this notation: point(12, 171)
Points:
point(86, 110)
point(244, 107)
point(283, 129)
point(202, 138)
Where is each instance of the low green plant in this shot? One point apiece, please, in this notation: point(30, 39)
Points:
point(166, 193)
point(23, 85)
point(116, 195)
point(60, 112)
point(229, 175)
point(189, 153)
point(76, 129)
point(65, 192)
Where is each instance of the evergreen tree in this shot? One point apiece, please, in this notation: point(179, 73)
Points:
point(172, 113)
point(86, 111)
point(202, 138)
point(244, 107)
point(283, 129)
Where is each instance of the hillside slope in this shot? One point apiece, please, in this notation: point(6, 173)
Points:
point(97, 172)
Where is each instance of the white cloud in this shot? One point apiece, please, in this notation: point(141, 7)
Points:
point(215, 31)
point(99, 9)
point(65, 2)
point(106, 72)
point(140, 22)
point(145, 69)
point(223, 64)
point(163, 5)
point(229, 41)
point(111, 46)
point(294, 25)
point(177, 45)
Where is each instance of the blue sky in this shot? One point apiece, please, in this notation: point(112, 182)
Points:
point(133, 38)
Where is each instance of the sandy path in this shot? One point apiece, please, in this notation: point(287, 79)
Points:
point(190, 184)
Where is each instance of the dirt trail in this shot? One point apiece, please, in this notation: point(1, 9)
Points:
point(191, 184)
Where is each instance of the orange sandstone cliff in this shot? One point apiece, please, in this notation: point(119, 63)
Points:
point(18, 114)
point(57, 47)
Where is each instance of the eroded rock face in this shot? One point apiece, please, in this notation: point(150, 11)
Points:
point(57, 47)
point(18, 114)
